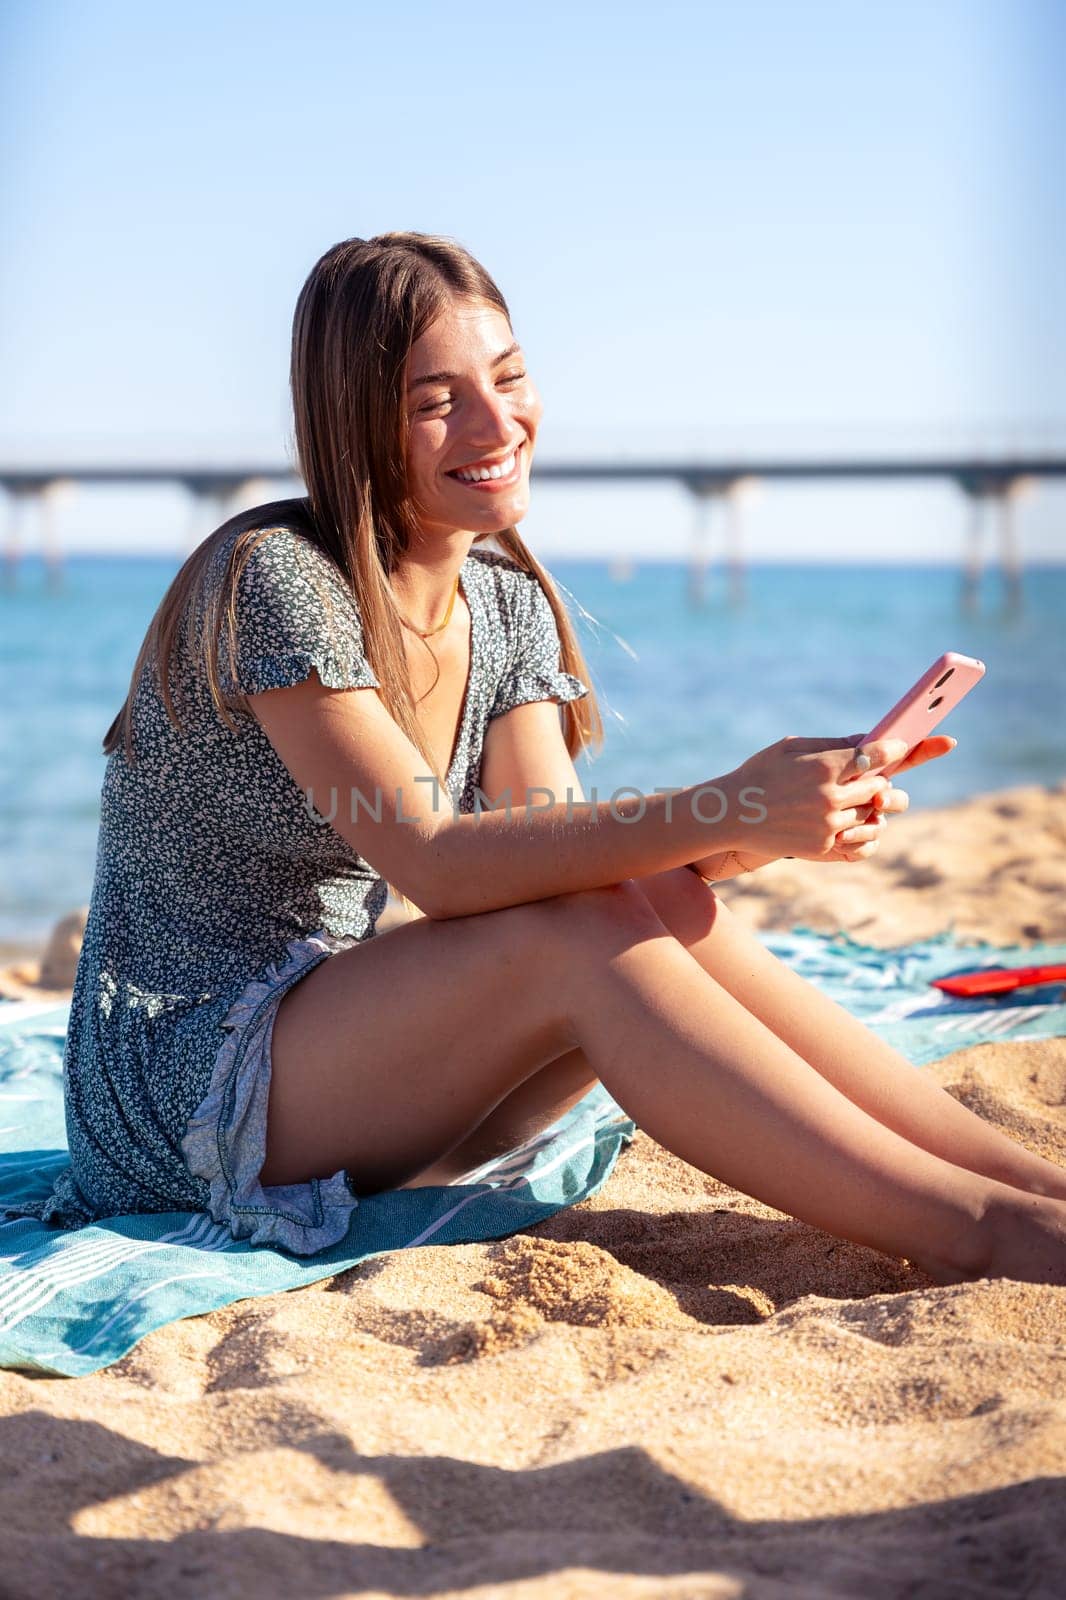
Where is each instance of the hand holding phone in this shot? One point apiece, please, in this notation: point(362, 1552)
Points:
point(927, 703)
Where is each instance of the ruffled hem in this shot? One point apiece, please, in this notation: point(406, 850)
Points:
point(225, 1139)
point(524, 687)
point(64, 1207)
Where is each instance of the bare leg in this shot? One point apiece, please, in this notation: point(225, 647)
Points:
point(489, 1005)
point(846, 1053)
point(711, 1083)
point(544, 1097)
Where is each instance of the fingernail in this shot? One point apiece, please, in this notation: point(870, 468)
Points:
point(862, 762)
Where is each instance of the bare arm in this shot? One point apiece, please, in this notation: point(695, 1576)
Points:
point(358, 768)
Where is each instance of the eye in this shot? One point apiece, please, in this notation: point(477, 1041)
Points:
point(446, 400)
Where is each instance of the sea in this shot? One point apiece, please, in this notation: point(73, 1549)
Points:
point(688, 686)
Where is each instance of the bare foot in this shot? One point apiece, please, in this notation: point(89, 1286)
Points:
point(1026, 1239)
point(1018, 1235)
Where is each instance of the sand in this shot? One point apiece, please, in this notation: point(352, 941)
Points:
point(669, 1390)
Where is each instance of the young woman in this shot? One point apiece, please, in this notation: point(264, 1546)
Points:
point(347, 691)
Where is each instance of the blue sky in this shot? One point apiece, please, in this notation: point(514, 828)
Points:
point(750, 223)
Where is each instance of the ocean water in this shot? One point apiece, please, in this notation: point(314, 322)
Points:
point(686, 693)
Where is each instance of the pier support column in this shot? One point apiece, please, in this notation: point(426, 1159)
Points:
point(49, 500)
point(1010, 554)
point(211, 504)
point(1009, 562)
point(696, 581)
point(974, 554)
point(45, 497)
point(1003, 492)
point(741, 492)
point(205, 514)
point(731, 493)
point(17, 501)
point(214, 501)
point(251, 492)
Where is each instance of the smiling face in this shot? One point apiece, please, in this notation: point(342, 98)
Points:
point(479, 410)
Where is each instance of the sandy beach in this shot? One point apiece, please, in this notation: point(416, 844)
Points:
point(669, 1390)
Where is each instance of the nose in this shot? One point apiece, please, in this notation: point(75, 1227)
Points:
point(493, 421)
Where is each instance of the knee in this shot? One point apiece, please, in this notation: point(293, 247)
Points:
point(622, 904)
point(685, 903)
point(675, 900)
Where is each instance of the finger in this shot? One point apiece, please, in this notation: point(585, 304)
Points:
point(860, 791)
point(860, 834)
point(894, 800)
point(850, 817)
point(880, 802)
point(806, 747)
point(938, 744)
point(857, 852)
point(869, 757)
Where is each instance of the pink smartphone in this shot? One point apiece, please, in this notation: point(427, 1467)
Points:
point(938, 691)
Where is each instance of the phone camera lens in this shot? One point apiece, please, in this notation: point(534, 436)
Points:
point(943, 679)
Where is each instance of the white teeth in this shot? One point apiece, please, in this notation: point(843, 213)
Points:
point(479, 474)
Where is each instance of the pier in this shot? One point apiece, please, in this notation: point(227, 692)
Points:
point(718, 487)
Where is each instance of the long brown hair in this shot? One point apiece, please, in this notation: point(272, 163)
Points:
point(361, 309)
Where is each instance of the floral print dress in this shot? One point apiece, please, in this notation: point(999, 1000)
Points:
point(211, 862)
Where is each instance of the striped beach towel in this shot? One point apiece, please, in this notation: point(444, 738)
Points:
point(73, 1302)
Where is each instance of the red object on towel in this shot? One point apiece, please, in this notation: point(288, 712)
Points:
point(998, 980)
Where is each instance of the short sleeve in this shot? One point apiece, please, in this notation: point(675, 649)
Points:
point(533, 671)
point(294, 611)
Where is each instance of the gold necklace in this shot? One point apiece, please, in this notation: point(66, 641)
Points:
point(441, 625)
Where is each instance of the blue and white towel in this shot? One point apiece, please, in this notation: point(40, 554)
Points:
point(73, 1302)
